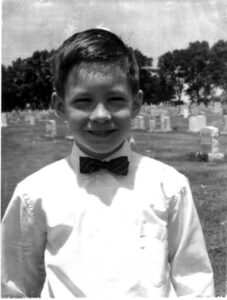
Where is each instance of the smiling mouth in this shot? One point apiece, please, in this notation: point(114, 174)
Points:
point(101, 133)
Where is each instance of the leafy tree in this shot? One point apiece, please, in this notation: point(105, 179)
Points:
point(218, 64)
point(197, 74)
point(166, 67)
point(145, 75)
point(27, 81)
point(8, 88)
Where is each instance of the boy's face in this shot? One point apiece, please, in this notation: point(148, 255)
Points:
point(98, 105)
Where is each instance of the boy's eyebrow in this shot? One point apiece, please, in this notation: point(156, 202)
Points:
point(117, 90)
point(80, 94)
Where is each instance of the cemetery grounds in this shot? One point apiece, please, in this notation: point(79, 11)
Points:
point(26, 150)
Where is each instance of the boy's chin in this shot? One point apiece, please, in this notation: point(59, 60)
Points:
point(100, 153)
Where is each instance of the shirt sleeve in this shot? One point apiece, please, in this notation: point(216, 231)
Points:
point(190, 269)
point(23, 244)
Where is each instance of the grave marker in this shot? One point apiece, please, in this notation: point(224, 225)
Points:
point(217, 108)
point(135, 123)
point(151, 124)
point(186, 112)
point(209, 139)
point(141, 124)
point(146, 121)
point(68, 135)
point(32, 120)
point(158, 123)
point(14, 116)
point(4, 120)
point(165, 125)
point(196, 123)
point(225, 125)
point(51, 129)
point(210, 143)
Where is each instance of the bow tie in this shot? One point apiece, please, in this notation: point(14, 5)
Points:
point(118, 166)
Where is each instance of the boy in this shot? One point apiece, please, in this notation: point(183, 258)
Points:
point(105, 221)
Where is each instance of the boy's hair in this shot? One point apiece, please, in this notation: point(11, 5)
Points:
point(92, 46)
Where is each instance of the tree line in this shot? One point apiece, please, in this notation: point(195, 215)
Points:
point(195, 71)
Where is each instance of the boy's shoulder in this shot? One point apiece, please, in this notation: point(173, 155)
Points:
point(151, 170)
point(47, 176)
point(146, 163)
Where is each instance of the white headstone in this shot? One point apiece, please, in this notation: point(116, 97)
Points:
point(15, 118)
point(141, 122)
point(186, 112)
point(27, 118)
point(151, 124)
point(131, 140)
point(146, 121)
point(217, 107)
point(68, 135)
point(158, 123)
point(165, 123)
point(196, 123)
point(32, 120)
point(4, 120)
point(225, 125)
point(135, 123)
point(209, 139)
point(51, 129)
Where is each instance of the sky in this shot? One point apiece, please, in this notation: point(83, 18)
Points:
point(152, 26)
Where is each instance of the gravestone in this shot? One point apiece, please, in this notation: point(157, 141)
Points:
point(225, 125)
point(141, 123)
point(15, 117)
point(32, 120)
point(4, 120)
point(68, 135)
point(224, 108)
point(131, 140)
point(158, 123)
point(51, 129)
point(209, 138)
point(196, 123)
point(186, 112)
point(27, 116)
point(217, 107)
point(135, 123)
point(165, 123)
point(151, 124)
point(146, 121)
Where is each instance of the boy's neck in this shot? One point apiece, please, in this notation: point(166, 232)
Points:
point(99, 155)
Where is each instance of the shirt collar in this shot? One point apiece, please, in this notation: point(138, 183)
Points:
point(76, 153)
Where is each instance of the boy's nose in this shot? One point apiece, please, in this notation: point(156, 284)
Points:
point(100, 114)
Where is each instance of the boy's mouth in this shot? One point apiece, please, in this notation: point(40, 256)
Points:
point(101, 133)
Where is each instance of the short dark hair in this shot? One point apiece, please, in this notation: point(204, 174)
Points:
point(93, 45)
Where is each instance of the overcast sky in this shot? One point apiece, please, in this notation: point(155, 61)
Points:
point(152, 26)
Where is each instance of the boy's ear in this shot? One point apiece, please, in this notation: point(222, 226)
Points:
point(137, 103)
point(58, 104)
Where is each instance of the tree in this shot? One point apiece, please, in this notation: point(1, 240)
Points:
point(218, 64)
point(144, 74)
point(27, 81)
point(197, 73)
point(166, 67)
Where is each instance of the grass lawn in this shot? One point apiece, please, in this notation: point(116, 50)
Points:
point(25, 150)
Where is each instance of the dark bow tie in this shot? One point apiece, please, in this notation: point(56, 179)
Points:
point(118, 166)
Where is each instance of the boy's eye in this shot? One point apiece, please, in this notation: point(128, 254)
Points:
point(82, 101)
point(117, 99)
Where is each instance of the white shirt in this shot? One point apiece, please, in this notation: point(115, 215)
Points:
point(103, 235)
